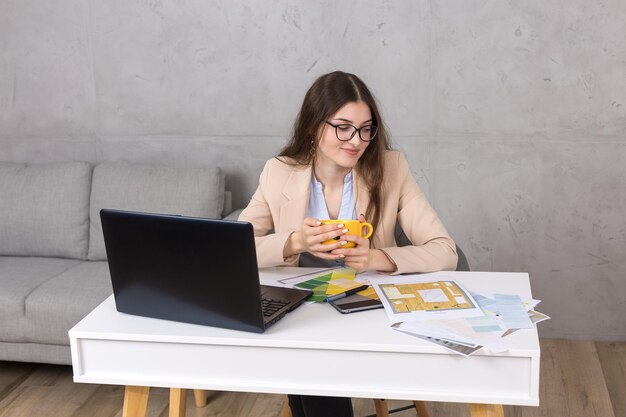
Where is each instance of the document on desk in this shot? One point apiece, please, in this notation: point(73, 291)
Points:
point(510, 310)
point(534, 316)
point(414, 298)
point(452, 345)
point(477, 331)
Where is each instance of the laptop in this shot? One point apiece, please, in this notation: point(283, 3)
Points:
point(192, 270)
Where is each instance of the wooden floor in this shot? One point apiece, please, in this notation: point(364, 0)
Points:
point(578, 378)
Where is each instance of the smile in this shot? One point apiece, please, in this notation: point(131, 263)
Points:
point(351, 152)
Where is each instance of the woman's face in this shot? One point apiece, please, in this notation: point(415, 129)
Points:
point(332, 151)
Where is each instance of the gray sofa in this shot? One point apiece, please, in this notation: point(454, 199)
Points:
point(53, 268)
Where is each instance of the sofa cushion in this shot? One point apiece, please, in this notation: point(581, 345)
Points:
point(156, 189)
point(19, 277)
point(35, 352)
point(54, 307)
point(44, 209)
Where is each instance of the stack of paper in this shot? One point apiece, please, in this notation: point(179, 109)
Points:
point(441, 311)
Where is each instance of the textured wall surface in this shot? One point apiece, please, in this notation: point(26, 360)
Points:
point(513, 114)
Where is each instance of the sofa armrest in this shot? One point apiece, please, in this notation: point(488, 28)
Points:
point(234, 215)
point(228, 203)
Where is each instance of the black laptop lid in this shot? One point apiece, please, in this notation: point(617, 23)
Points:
point(194, 270)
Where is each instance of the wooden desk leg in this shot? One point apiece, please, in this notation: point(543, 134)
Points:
point(178, 402)
point(135, 401)
point(486, 410)
point(286, 411)
point(199, 396)
point(382, 410)
point(420, 406)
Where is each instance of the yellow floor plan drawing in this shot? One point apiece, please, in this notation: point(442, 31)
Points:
point(426, 296)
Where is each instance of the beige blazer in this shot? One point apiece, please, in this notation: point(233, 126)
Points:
point(278, 208)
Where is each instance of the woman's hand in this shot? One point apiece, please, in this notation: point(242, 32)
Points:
point(358, 257)
point(310, 238)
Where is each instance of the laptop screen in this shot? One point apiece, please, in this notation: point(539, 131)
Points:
point(194, 270)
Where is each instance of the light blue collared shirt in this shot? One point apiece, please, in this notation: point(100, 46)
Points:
point(317, 203)
point(317, 208)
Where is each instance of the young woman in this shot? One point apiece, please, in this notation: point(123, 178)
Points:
point(338, 164)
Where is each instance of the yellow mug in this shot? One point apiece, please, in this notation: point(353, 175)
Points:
point(354, 227)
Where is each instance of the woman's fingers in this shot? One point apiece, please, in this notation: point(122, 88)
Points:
point(357, 240)
point(311, 221)
point(357, 257)
point(327, 247)
point(315, 235)
point(327, 255)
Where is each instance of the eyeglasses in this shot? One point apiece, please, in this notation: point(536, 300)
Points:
point(346, 132)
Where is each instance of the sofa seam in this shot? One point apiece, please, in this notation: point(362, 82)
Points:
point(80, 262)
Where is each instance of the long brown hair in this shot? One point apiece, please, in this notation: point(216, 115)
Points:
point(327, 95)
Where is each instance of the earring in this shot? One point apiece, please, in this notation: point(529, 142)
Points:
point(312, 149)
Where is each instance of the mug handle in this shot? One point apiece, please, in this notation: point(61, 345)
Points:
point(369, 232)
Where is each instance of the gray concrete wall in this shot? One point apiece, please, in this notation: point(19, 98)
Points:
point(513, 114)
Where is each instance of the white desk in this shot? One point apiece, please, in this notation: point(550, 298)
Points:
point(313, 350)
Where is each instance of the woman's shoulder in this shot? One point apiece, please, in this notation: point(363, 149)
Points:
point(392, 154)
point(394, 160)
point(280, 168)
point(284, 163)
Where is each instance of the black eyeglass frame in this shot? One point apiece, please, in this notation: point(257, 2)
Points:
point(356, 130)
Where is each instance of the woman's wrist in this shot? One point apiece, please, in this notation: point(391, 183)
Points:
point(293, 245)
point(379, 261)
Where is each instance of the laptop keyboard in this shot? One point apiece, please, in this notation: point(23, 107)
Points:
point(272, 306)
